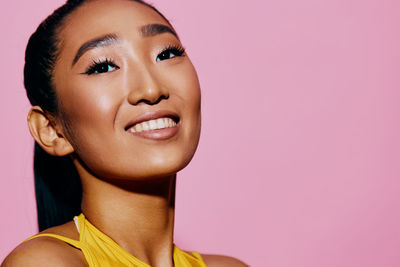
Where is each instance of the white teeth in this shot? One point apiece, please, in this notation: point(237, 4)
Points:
point(159, 123)
point(138, 128)
point(145, 126)
point(153, 124)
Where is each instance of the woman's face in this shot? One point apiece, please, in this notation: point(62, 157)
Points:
point(129, 96)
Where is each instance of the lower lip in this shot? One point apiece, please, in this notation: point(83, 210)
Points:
point(158, 134)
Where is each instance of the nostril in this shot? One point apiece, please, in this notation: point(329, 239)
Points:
point(149, 92)
point(152, 101)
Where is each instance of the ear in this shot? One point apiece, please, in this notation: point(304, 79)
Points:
point(46, 135)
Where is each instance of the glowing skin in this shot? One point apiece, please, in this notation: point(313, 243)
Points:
point(99, 106)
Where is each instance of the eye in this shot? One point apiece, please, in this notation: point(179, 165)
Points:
point(103, 66)
point(170, 52)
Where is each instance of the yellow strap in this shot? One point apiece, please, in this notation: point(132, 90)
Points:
point(197, 255)
point(70, 241)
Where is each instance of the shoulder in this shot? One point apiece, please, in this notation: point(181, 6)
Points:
point(222, 261)
point(45, 251)
point(42, 251)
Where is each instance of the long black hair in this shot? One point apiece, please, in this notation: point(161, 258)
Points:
point(57, 184)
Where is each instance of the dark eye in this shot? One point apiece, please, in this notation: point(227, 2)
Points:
point(101, 67)
point(170, 52)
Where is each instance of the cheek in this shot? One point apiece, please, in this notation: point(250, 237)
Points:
point(191, 97)
point(187, 88)
point(184, 88)
point(88, 102)
point(188, 91)
point(90, 109)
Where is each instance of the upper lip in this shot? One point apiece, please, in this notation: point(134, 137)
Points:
point(152, 115)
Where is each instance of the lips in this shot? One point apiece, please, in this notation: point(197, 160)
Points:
point(154, 125)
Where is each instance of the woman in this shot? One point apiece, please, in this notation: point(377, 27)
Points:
point(114, 93)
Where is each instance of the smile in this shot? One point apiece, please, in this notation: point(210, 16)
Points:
point(160, 123)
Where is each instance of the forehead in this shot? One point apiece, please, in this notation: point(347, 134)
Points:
point(99, 17)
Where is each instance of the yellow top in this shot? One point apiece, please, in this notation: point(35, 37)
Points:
point(101, 250)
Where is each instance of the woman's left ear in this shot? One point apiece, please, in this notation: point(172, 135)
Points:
point(44, 132)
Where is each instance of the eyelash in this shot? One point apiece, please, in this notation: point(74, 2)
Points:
point(177, 50)
point(98, 63)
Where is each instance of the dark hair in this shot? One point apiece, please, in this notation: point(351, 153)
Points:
point(57, 184)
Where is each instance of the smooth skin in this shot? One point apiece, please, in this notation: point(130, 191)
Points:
point(128, 180)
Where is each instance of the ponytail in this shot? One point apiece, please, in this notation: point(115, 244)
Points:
point(57, 184)
point(58, 189)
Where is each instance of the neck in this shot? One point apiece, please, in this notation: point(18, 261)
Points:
point(138, 216)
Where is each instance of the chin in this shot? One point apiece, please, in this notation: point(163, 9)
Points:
point(162, 168)
point(142, 163)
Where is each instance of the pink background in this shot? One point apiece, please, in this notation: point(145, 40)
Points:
point(298, 163)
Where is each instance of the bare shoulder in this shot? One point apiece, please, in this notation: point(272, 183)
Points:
point(222, 261)
point(45, 251)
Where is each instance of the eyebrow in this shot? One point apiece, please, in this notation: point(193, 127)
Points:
point(155, 29)
point(105, 40)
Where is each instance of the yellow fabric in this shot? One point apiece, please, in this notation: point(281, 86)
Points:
point(101, 250)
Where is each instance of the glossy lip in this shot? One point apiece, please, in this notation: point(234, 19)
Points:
point(159, 134)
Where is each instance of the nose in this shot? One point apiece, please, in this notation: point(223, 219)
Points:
point(146, 88)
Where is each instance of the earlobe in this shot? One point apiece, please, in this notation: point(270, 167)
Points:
point(46, 135)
